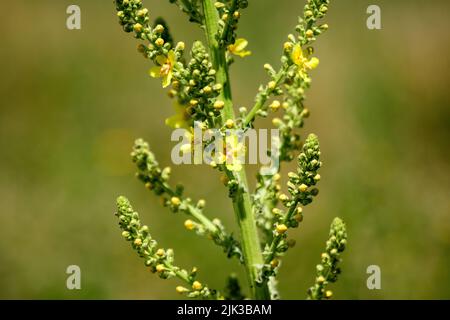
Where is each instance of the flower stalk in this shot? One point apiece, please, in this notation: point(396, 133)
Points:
point(241, 202)
point(200, 86)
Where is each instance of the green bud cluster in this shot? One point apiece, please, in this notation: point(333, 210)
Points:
point(165, 34)
point(159, 261)
point(307, 27)
point(328, 270)
point(194, 84)
point(291, 81)
point(200, 85)
point(135, 18)
point(229, 17)
point(197, 88)
point(301, 184)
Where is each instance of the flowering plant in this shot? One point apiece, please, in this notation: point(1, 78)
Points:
point(201, 88)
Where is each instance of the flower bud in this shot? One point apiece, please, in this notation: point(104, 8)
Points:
point(281, 228)
point(197, 285)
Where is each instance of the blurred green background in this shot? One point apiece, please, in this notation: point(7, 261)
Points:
point(72, 102)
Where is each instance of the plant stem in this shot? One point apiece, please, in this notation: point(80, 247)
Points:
point(241, 203)
point(276, 240)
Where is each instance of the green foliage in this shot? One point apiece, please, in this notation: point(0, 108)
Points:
point(201, 87)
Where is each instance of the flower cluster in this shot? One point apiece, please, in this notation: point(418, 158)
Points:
point(300, 188)
point(159, 260)
point(157, 180)
point(291, 80)
point(193, 84)
point(229, 16)
point(301, 184)
point(328, 270)
point(197, 90)
point(201, 89)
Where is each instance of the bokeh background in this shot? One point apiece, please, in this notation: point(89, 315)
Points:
point(72, 102)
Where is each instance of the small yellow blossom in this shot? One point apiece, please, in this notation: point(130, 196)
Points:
point(165, 68)
point(303, 63)
point(197, 285)
point(238, 48)
point(235, 152)
point(175, 201)
point(189, 224)
point(281, 228)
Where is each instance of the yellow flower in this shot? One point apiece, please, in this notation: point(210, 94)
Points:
point(238, 48)
point(235, 151)
point(165, 68)
point(303, 63)
point(180, 119)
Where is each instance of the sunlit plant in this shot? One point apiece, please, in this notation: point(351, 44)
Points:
point(200, 86)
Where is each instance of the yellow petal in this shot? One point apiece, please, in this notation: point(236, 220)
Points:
point(313, 63)
point(243, 54)
point(297, 55)
point(167, 80)
point(171, 57)
point(240, 44)
point(155, 72)
point(161, 60)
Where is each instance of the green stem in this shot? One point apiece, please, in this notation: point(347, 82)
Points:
point(263, 96)
point(241, 203)
point(194, 212)
point(276, 240)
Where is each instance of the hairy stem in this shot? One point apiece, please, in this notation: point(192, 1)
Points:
point(241, 203)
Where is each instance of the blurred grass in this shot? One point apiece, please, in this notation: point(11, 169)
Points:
point(74, 101)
